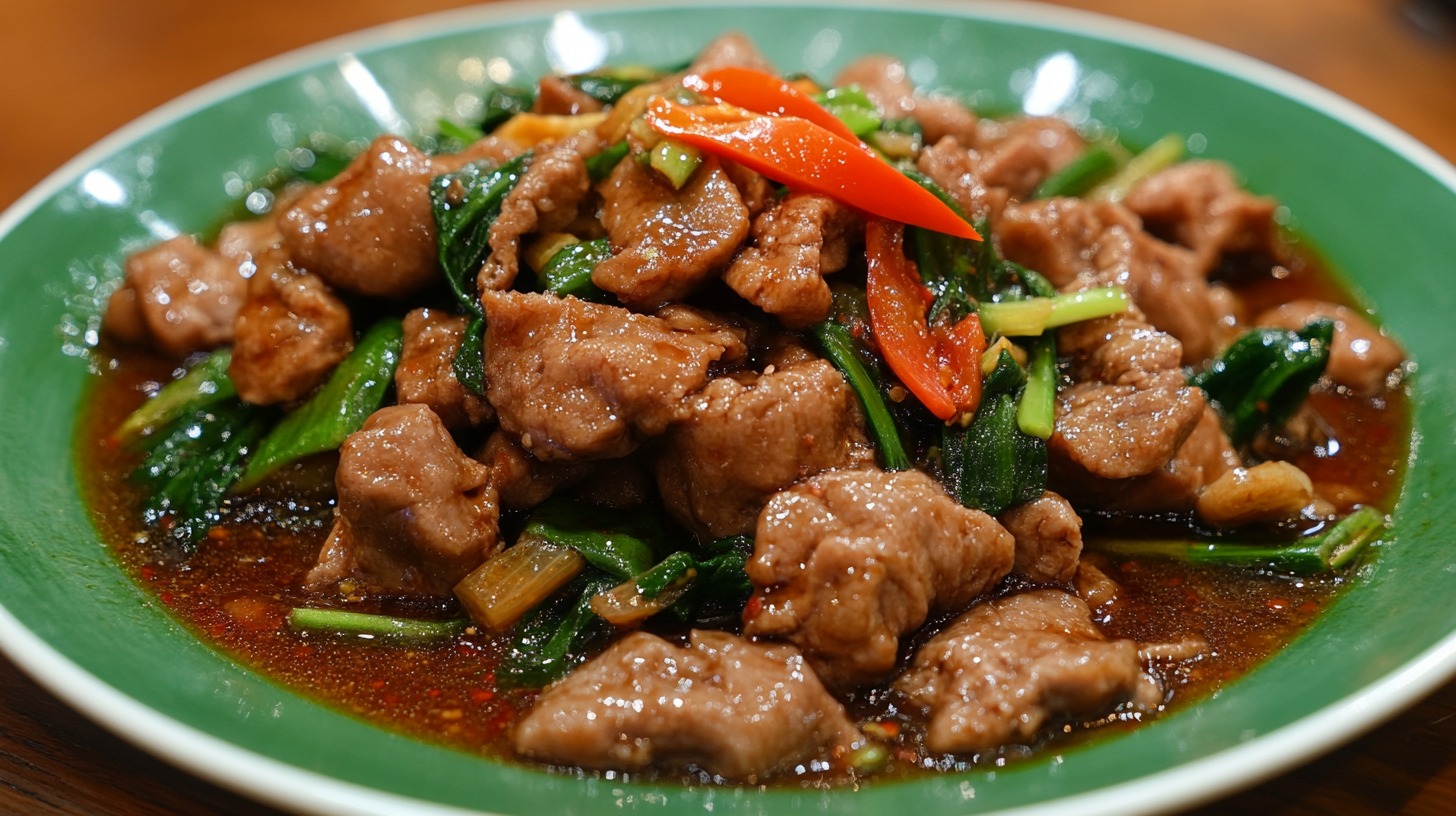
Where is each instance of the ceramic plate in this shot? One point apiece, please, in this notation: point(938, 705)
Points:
point(1378, 205)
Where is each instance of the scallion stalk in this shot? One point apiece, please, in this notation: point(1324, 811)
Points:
point(368, 626)
point(517, 580)
point(1032, 316)
point(838, 345)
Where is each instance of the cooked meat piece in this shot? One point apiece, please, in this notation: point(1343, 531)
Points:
point(370, 230)
point(1130, 433)
point(666, 242)
point(757, 192)
point(415, 514)
point(578, 380)
point(886, 82)
point(544, 200)
point(1048, 535)
point(730, 49)
point(745, 440)
point(1200, 205)
point(1204, 456)
point(555, 95)
point(1093, 585)
point(735, 709)
point(1019, 154)
point(426, 370)
point(1120, 431)
point(178, 297)
point(290, 334)
point(795, 244)
point(1080, 244)
point(953, 167)
point(1268, 491)
point(1362, 357)
point(522, 481)
point(246, 242)
point(494, 148)
point(1010, 667)
point(847, 561)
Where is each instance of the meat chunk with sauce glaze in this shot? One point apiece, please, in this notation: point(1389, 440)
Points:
point(1010, 667)
point(426, 370)
point(736, 709)
point(1362, 357)
point(290, 334)
point(1200, 205)
point(795, 243)
point(1048, 534)
point(576, 380)
point(667, 242)
point(846, 562)
point(369, 231)
point(177, 296)
point(745, 439)
point(415, 514)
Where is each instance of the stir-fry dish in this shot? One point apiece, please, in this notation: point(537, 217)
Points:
point(718, 423)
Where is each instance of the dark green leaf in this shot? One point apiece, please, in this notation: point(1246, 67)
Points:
point(504, 101)
point(466, 204)
point(1264, 376)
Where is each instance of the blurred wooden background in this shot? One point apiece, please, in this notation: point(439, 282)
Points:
point(72, 71)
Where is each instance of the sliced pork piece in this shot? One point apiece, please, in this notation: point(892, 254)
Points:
point(796, 242)
point(546, 198)
point(1130, 433)
point(1008, 668)
point(746, 439)
point(415, 514)
point(426, 370)
point(666, 242)
point(576, 380)
point(735, 709)
point(1362, 357)
point(953, 167)
point(370, 230)
point(1081, 244)
point(290, 334)
point(1017, 155)
point(847, 561)
point(522, 481)
point(886, 82)
point(1199, 205)
point(1048, 534)
point(177, 296)
point(732, 49)
point(556, 96)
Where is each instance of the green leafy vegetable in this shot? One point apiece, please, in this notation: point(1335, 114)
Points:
point(504, 101)
point(1263, 377)
point(992, 464)
point(623, 547)
point(466, 204)
point(1333, 549)
point(1163, 153)
point(355, 390)
point(853, 107)
point(600, 166)
point(569, 271)
point(838, 346)
point(206, 383)
point(1097, 163)
point(556, 636)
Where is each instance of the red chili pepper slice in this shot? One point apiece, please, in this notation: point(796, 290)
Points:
point(806, 156)
point(762, 92)
point(941, 367)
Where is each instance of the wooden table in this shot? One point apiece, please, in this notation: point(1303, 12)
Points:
point(71, 71)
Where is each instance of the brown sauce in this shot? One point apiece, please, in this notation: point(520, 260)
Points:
point(235, 592)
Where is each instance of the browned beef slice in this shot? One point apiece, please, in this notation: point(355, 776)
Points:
point(415, 514)
point(847, 561)
point(426, 370)
point(1200, 205)
point(1019, 154)
point(730, 49)
point(1362, 356)
point(953, 168)
point(1080, 244)
point(1007, 668)
point(522, 481)
point(545, 199)
point(578, 380)
point(370, 230)
point(795, 244)
point(494, 148)
point(664, 241)
point(886, 82)
point(736, 709)
point(290, 334)
point(556, 95)
point(177, 296)
point(1130, 434)
point(745, 440)
point(1048, 535)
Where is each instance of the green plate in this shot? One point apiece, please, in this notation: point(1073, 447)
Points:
point(1381, 207)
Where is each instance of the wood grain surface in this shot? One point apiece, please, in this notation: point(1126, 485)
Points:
point(72, 71)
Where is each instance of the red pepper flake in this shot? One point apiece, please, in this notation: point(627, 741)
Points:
point(377, 683)
point(167, 597)
point(1277, 603)
point(481, 696)
point(148, 573)
point(391, 699)
point(432, 693)
point(752, 608)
